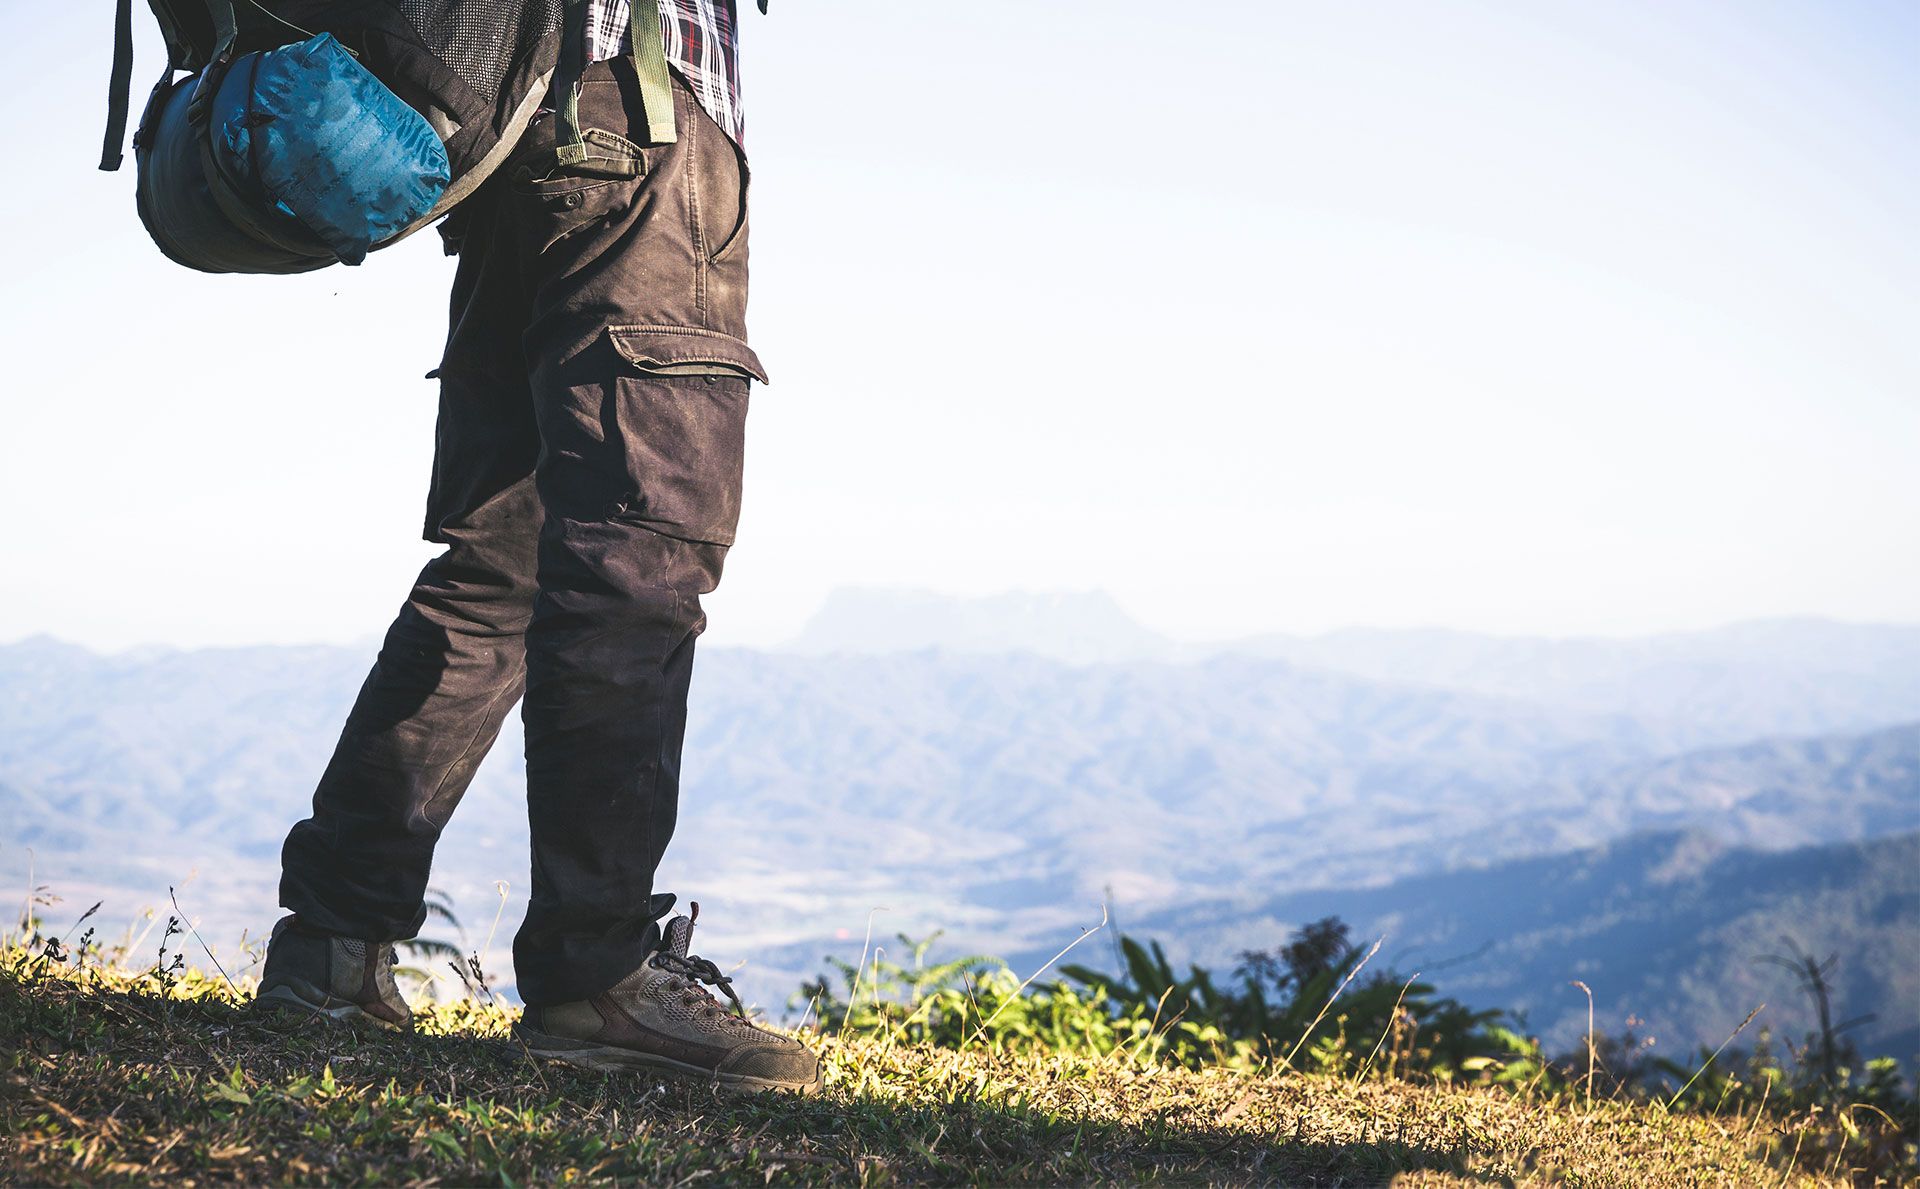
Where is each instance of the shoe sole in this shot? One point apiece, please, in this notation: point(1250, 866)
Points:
point(610, 1058)
point(284, 1000)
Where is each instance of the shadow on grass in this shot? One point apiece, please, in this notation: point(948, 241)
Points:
point(202, 1088)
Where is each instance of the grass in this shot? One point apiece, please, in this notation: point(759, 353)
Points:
point(114, 1076)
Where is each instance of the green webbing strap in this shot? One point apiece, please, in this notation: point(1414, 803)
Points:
point(650, 63)
point(119, 84)
point(572, 143)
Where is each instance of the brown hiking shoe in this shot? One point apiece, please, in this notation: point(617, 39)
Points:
point(660, 1017)
point(338, 977)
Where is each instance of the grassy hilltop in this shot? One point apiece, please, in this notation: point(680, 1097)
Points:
point(114, 1075)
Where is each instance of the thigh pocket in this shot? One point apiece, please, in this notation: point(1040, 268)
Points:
point(681, 411)
point(560, 199)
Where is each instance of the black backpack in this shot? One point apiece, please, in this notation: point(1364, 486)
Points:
point(475, 71)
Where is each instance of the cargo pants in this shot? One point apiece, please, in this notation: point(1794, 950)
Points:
point(586, 485)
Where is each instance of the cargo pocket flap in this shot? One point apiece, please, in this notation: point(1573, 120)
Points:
point(685, 351)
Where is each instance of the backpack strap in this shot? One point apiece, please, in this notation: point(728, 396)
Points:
point(649, 63)
point(226, 29)
point(572, 142)
point(119, 87)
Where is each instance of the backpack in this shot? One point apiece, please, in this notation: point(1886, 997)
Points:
point(308, 132)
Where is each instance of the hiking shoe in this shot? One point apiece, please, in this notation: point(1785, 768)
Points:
point(341, 978)
point(660, 1017)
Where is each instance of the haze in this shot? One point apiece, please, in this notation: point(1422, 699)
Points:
point(1510, 317)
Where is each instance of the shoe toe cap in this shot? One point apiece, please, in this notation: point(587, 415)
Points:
point(779, 1061)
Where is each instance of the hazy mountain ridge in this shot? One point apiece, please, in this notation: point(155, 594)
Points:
point(1670, 928)
point(1078, 627)
point(996, 796)
point(1125, 772)
point(1735, 683)
point(1745, 681)
point(1757, 795)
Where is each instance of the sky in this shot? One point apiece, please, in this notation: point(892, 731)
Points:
point(1516, 317)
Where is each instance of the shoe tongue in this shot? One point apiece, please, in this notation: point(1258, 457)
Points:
point(677, 936)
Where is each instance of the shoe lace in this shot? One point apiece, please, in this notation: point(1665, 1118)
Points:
point(700, 970)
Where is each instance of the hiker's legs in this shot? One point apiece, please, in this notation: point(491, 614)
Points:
point(450, 669)
point(453, 663)
point(611, 484)
point(639, 377)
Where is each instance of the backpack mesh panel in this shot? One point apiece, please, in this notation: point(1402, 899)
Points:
point(477, 41)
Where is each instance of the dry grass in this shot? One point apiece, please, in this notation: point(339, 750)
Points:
point(111, 1077)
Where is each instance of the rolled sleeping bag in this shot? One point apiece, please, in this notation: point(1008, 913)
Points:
point(284, 161)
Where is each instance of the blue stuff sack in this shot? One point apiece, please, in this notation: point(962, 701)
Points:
point(284, 161)
point(315, 138)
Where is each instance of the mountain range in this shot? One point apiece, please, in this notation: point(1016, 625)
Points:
point(998, 769)
point(1676, 930)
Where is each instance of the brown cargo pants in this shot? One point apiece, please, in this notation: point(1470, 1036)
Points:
point(586, 485)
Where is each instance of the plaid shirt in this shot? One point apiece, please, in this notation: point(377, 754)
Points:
point(702, 45)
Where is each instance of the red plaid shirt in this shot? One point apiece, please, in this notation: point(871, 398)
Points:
point(702, 44)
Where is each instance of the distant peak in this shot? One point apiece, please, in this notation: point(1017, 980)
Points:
point(1081, 627)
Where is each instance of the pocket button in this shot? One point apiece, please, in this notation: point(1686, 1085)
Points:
point(573, 200)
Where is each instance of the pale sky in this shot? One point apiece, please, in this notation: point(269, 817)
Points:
point(1520, 317)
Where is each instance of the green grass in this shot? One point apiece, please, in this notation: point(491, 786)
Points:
point(113, 1077)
